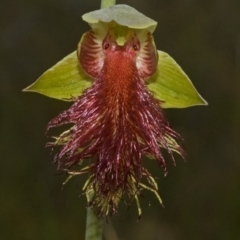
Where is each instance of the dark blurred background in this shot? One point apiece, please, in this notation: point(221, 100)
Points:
point(201, 196)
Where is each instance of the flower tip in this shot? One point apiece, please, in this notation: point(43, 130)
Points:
point(205, 103)
point(201, 101)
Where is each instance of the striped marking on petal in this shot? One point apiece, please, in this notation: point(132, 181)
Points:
point(90, 54)
point(147, 58)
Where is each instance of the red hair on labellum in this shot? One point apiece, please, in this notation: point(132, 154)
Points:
point(117, 120)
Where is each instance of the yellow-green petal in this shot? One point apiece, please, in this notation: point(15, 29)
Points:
point(123, 15)
point(65, 80)
point(172, 86)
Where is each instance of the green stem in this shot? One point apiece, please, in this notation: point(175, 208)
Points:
point(107, 3)
point(94, 228)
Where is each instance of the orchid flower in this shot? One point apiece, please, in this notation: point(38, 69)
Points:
point(119, 83)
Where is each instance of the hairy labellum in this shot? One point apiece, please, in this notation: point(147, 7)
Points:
point(116, 121)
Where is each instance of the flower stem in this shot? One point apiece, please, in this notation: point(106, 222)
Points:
point(94, 228)
point(107, 3)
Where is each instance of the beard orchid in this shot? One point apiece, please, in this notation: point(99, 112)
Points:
point(120, 84)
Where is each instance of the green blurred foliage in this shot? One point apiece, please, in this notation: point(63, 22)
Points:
point(201, 196)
